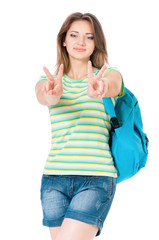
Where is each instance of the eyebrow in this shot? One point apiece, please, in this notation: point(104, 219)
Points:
point(78, 32)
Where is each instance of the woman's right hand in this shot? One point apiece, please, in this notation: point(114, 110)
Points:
point(54, 85)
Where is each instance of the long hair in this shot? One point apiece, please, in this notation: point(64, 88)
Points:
point(98, 58)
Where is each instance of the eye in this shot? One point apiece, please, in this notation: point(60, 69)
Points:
point(90, 37)
point(73, 35)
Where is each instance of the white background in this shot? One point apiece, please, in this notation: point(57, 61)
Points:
point(28, 41)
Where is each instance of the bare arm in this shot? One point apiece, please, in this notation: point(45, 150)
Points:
point(113, 80)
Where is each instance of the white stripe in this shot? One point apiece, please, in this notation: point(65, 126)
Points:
point(84, 173)
point(76, 136)
point(77, 166)
point(72, 158)
point(87, 113)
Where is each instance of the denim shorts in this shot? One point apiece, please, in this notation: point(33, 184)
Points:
point(84, 198)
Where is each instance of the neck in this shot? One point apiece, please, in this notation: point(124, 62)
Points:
point(78, 69)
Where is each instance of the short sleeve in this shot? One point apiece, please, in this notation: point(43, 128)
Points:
point(43, 78)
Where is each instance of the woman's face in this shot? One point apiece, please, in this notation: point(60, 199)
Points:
point(79, 40)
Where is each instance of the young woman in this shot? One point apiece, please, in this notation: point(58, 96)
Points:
point(79, 178)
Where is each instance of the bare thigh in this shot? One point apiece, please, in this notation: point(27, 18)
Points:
point(54, 231)
point(72, 229)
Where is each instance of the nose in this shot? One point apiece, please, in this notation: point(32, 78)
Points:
point(81, 41)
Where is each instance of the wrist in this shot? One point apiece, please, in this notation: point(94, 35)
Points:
point(52, 99)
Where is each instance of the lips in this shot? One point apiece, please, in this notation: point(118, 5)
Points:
point(80, 49)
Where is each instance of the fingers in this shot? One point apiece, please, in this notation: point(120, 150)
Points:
point(48, 74)
point(100, 87)
point(105, 89)
point(47, 86)
point(60, 72)
point(90, 71)
point(53, 85)
point(56, 90)
point(99, 75)
point(96, 89)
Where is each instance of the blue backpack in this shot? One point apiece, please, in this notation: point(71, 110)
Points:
point(128, 142)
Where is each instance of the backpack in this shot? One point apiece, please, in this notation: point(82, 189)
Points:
point(128, 142)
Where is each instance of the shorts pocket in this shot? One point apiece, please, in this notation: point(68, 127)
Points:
point(112, 187)
point(44, 182)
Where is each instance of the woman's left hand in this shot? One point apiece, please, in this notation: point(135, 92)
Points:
point(97, 87)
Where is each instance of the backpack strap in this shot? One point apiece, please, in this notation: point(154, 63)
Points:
point(109, 108)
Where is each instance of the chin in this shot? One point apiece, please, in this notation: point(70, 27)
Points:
point(81, 56)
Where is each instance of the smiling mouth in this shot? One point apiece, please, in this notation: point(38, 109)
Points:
point(80, 49)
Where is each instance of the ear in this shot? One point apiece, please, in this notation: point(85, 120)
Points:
point(64, 44)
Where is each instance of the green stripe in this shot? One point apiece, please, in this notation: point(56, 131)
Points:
point(78, 118)
point(79, 169)
point(76, 104)
point(74, 83)
point(74, 130)
point(71, 125)
point(76, 86)
point(81, 155)
point(69, 133)
point(72, 97)
point(80, 147)
point(74, 92)
point(80, 139)
point(44, 78)
point(82, 162)
point(77, 111)
point(78, 90)
point(81, 118)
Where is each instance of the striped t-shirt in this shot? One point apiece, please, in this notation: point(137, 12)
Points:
point(80, 130)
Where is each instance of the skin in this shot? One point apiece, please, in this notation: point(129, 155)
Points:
point(80, 44)
point(79, 36)
point(96, 86)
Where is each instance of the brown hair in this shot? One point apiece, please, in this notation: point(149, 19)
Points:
point(99, 57)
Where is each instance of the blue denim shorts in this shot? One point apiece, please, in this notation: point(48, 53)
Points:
point(84, 198)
